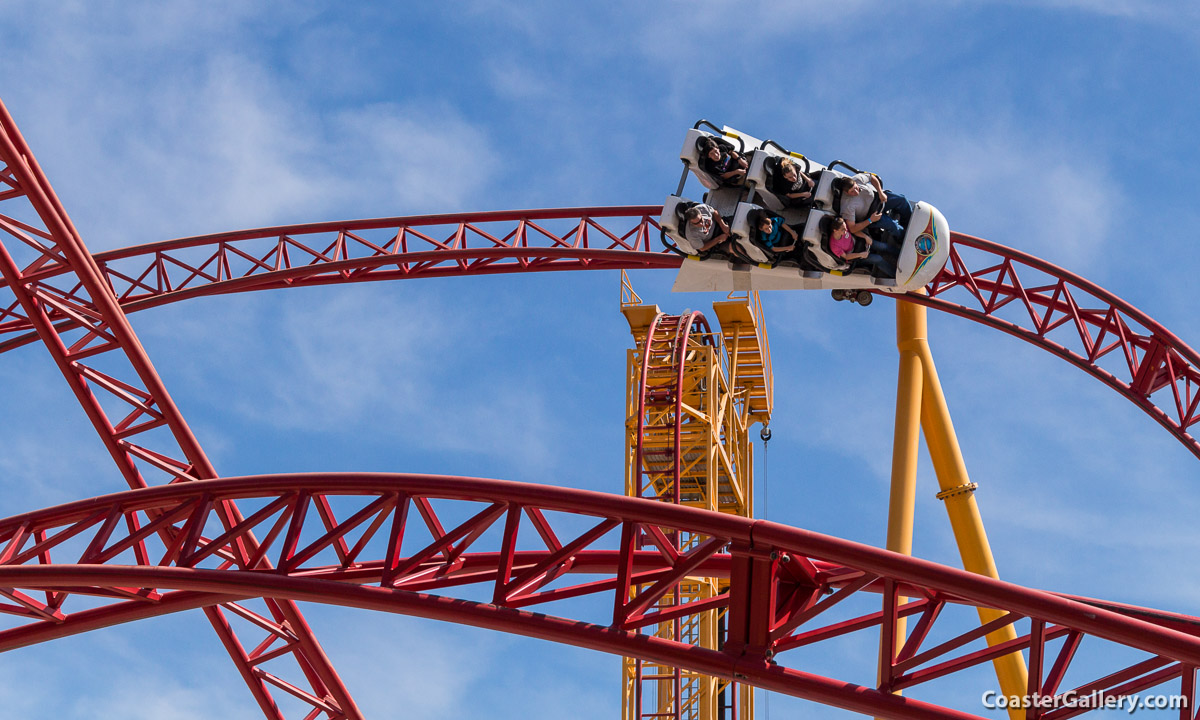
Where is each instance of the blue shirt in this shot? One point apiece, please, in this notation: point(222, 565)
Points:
point(772, 239)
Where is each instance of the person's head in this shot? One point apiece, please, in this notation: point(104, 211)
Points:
point(846, 186)
point(706, 145)
point(788, 170)
point(713, 152)
point(765, 226)
point(694, 217)
point(833, 225)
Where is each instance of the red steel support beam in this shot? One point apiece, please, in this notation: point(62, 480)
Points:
point(985, 282)
point(56, 246)
point(442, 576)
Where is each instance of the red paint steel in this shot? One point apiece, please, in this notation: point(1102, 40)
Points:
point(374, 557)
point(76, 303)
point(127, 402)
point(988, 283)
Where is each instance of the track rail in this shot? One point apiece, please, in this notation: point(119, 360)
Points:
point(660, 399)
point(988, 283)
point(187, 545)
point(662, 693)
point(560, 564)
point(360, 251)
point(127, 403)
point(1077, 321)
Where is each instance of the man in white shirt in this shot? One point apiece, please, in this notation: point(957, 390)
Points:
point(704, 228)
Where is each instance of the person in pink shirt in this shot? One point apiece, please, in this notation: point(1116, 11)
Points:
point(841, 246)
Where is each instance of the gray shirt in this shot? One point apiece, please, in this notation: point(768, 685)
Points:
point(697, 235)
point(855, 209)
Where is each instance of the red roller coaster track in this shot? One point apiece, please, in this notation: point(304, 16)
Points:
point(1012, 291)
point(515, 557)
point(187, 545)
point(142, 429)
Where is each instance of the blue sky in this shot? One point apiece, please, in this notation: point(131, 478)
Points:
point(1063, 128)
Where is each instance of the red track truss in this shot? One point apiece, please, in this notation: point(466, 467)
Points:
point(664, 361)
point(363, 250)
point(485, 552)
point(559, 564)
point(1004, 288)
point(1076, 320)
point(120, 391)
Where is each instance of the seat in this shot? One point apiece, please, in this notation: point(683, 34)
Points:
point(745, 235)
point(760, 178)
point(690, 155)
point(823, 196)
point(672, 222)
point(816, 244)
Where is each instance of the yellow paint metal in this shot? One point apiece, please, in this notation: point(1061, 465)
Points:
point(956, 488)
point(726, 388)
point(910, 328)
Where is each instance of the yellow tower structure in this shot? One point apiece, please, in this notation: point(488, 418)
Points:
point(692, 396)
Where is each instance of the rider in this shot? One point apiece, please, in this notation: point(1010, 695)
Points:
point(722, 161)
point(841, 246)
point(704, 227)
point(772, 232)
point(792, 185)
point(858, 196)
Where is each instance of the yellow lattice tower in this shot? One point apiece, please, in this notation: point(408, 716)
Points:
point(692, 396)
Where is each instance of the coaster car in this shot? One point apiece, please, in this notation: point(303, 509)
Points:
point(746, 263)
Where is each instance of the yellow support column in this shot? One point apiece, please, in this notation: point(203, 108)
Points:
point(910, 330)
point(957, 490)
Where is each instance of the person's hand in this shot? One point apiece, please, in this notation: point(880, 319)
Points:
point(876, 217)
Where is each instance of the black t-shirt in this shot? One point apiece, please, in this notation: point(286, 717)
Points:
point(722, 165)
point(783, 188)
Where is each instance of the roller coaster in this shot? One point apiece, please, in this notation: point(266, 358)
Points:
point(569, 566)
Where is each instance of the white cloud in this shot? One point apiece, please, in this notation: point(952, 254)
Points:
point(345, 360)
point(169, 700)
point(670, 31)
point(514, 80)
point(448, 671)
point(326, 362)
point(184, 128)
point(157, 121)
point(51, 453)
point(248, 152)
point(1156, 11)
point(411, 159)
point(126, 671)
point(992, 179)
point(433, 667)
